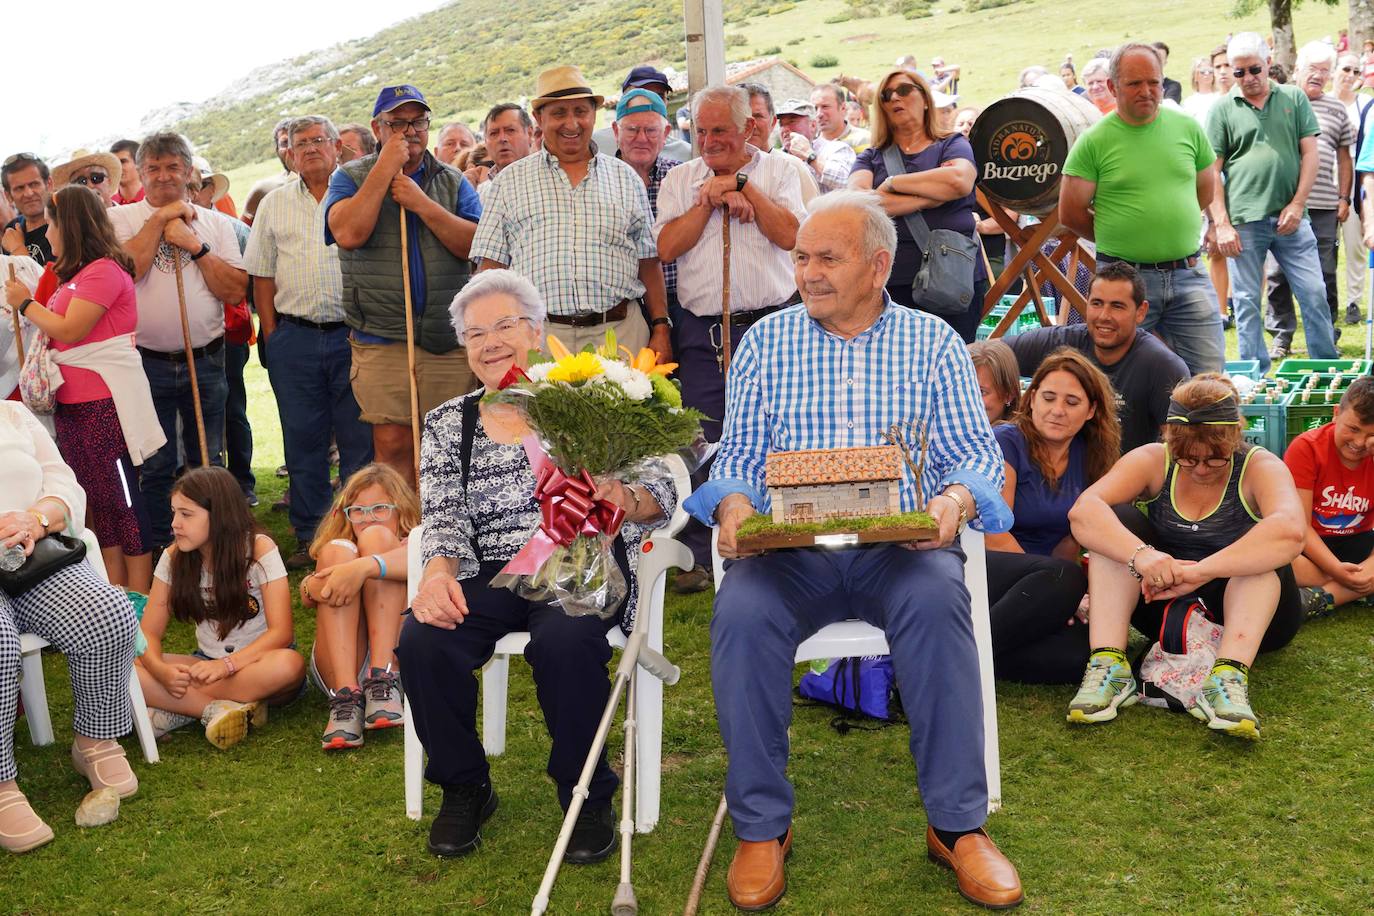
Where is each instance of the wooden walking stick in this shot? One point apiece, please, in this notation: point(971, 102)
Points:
point(704, 866)
point(725, 289)
point(190, 360)
point(410, 347)
point(18, 332)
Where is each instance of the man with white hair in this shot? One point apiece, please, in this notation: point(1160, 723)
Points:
point(453, 139)
point(760, 196)
point(1097, 83)
point(874, 366)
point(1136, 183)
point(1265, 137)
point(1328, 206)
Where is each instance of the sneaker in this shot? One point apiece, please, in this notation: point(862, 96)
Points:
point(696, 579)
point(1224, 704)
point(282, 471)
point(252, 498)
point(1316, 602)
point(593, 836)
point(301, 559)
point(1352, 314)
point(1107, 685)
point(165, 721)
point(345, 726)
point(227, 722)
point(382, 690)
point(456, 828)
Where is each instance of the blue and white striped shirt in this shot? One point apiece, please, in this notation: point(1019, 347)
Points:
point(793, 385)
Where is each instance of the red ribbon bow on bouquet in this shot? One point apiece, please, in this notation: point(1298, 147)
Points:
point(567, 508)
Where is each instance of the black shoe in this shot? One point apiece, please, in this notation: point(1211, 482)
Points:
point(301, 559)
point(455, 828)
point(1352, 314)
point(593, 835)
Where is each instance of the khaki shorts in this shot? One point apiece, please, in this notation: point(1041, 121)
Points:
point(631, 332)
point(381, 380)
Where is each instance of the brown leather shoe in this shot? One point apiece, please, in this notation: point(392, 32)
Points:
point(757, 879)
point(986, 877)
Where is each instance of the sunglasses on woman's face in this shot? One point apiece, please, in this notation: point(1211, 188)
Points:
point(94, 178)
point(1350, 69)
point(900, 91)
point(1253, 70)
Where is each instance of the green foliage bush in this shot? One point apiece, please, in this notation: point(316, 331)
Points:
point(770, 52)
point(825, 60)
point(974, 5)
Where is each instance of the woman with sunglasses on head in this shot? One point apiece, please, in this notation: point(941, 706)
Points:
point(936, 184)
point(105, 421)
point(1218, 519)
point(358, 591)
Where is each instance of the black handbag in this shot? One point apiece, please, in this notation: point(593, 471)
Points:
point(50, 554)
point(944, 280)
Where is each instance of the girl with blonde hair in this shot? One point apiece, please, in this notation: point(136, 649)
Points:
point(358, 590)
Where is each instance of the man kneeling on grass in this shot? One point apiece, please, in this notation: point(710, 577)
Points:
point(1334, 474)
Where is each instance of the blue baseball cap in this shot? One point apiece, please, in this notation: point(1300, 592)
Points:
point(640, 100)
point(393, 97)
point(644, 76)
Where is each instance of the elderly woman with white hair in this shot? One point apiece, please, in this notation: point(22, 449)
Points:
point(478, 508)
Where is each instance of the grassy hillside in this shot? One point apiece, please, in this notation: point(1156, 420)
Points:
point(476, 52)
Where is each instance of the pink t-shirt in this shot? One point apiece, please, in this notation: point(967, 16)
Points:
point(107, 285)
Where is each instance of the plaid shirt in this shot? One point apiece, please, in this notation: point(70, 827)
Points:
point(287, 244)
point(581, 246)
point(793, 385)
point(660, 168)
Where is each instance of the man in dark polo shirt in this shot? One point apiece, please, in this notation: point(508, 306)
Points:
point(1142, 369)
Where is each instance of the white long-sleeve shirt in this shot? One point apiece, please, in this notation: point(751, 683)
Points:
point(31, 468)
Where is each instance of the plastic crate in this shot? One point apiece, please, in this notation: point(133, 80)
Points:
point(1266, 425)
point(1250, 368)
point(1302, 417)
point(1028, 321)
point(1295, 369)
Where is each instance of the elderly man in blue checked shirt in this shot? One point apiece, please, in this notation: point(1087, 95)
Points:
point(834, 372)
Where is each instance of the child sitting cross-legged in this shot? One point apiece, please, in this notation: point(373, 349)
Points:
point(225, 576)
point(1333, 468)
point(358, 591)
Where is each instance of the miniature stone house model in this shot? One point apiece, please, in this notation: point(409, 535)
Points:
point(820, 484)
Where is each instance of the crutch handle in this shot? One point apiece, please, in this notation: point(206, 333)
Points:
point(654, 663)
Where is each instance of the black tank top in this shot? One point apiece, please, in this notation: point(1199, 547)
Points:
point(1193, 539)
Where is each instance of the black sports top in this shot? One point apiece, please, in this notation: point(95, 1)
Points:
point(1193, 539)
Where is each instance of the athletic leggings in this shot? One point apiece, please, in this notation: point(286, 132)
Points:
point(1033, 597)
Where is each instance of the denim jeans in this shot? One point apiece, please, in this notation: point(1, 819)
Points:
point(238, 434)
point(1282, 322)
point(1183, 311)
point(170, 383)
point(1297, 257)
point(309, 372)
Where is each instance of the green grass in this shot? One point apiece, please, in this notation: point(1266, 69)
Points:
point(763, 524)
point(1150, 814)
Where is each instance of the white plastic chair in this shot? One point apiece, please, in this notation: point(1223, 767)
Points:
point(855, 638)
point(660, 552)
point(35, 694)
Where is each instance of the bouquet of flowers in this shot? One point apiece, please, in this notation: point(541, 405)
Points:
point(593, 414)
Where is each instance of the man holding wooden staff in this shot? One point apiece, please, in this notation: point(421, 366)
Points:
point(160, 232)
point(840, 371)
point(761, 197)
point(363, 213)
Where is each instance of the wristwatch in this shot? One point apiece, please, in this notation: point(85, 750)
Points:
point(204, 250)
point(661, 320)
point(42, 519)
point(811, 157)
point(23, 306)
point(741, 180)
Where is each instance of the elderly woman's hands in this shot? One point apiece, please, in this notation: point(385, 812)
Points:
point(20, 528)
point(642, 509)
point(439, 602)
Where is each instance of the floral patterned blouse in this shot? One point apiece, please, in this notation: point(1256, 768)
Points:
point(497, 513)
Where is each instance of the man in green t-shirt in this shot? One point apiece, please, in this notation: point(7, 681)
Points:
point(1265, 136)
point(1137, 183)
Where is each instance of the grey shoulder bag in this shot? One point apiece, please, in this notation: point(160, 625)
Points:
point(944, 281)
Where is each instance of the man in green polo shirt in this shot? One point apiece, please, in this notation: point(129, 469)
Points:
point(1137, 183)
point(1265, 136)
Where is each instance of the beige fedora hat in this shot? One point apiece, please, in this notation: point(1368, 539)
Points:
point(559, 84)
point(80, 159)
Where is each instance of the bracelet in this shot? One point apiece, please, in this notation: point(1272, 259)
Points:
point(229, 663)
point(1130, 564)
point(381, 564)
point(23, 306)
point(635, 493)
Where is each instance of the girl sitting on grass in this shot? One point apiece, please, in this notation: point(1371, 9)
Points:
point(224, 575)
point(359, 591)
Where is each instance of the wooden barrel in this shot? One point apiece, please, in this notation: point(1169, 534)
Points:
point(1020, 143)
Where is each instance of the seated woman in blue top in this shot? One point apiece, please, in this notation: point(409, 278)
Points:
point(1064, 436)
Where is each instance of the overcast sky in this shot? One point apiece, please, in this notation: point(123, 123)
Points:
point(111, 63)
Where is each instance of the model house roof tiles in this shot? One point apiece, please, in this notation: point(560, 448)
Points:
point(833, 465)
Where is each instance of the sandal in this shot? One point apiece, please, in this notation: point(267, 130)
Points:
point(105, 766)
point(20, 828)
